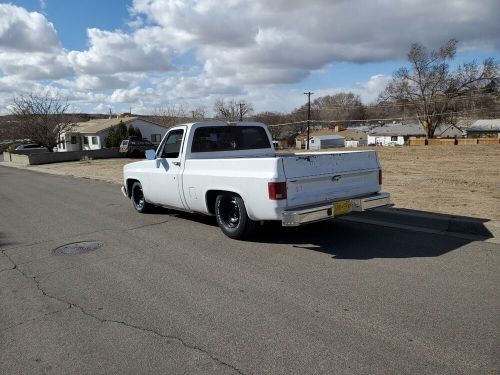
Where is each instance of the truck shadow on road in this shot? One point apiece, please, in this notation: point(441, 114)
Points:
point(354, 240)
point(345, 239)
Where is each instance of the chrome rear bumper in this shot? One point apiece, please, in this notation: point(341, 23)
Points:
point(292, 218)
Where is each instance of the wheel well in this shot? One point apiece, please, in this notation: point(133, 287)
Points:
point(130, 182)
point(211, 196)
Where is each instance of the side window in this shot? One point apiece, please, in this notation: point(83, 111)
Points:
point(172, 145)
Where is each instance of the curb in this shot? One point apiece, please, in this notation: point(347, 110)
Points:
point(439, 222)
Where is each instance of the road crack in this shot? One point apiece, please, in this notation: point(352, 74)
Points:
point(165, 336)
point(123, 323)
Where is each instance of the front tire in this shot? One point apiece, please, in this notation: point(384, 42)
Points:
point(137, 198)
point(232, 216)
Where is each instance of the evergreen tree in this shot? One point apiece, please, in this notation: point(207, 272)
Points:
point(138, 132)
point(122, 131)
point(134, 132)
point(116, 135)
point(111, 138)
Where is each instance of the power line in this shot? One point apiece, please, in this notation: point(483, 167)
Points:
point(416, 117)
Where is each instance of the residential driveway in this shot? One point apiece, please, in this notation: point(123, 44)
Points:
point(169, 293)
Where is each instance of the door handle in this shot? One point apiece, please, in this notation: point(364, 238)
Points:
point(178, 163)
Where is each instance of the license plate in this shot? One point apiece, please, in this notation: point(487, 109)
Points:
point(341, 208)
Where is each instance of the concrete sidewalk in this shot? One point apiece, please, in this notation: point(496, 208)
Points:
point(489, 229)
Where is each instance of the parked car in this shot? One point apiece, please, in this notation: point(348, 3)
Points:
point(232, 171)
point(134, 146)
point(30, 148)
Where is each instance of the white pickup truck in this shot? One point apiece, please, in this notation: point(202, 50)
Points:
point(232, 171)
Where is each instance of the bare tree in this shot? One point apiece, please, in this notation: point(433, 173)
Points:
point(40, 117)
point(343, 106)
point(199, 112)
point(231, 109)
point(271, 118)
point(430, 87)
point(169, 115)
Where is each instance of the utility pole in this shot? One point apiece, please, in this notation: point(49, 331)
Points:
point(241, 111)
point(308, 114)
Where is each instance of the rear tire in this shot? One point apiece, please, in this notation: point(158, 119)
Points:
point(232, 217)
point(137, 198)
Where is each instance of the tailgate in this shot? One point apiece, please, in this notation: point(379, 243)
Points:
point(321, 177)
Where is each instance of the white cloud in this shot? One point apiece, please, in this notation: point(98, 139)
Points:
point(248, 49)
point(29, 46)
point(126, 95)
point(35, 65)
point(102, 108)
point(115, 51)
point(369, 90)
point(23, 31)
point(263, 42)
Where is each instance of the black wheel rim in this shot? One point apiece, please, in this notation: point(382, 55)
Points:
point(138, 198)
point(230, 212)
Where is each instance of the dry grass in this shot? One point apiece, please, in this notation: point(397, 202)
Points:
point(458, 180)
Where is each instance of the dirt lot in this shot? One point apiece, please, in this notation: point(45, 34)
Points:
point(458, 180)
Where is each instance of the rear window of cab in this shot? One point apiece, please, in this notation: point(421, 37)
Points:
point(229, 138)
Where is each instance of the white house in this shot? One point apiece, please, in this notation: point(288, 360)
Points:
point(399, 134)
point(91, 135)
point(385, 140)
point(394, 134)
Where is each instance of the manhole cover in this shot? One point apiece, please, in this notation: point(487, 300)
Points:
point(78, 248)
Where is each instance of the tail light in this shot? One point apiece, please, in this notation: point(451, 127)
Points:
point(380, 176)
point(277, 190)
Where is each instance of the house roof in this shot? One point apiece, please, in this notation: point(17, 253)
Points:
point(485, 126)
point(414, 129)
point(99, 125)
point(448, 130)
point(398, 129)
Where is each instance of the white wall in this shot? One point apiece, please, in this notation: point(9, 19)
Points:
point(101, 141)
point(68, 146)
point(147, 129)
point(385, 140)
point(351, 143)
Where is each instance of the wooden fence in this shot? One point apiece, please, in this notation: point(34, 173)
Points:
point(451, 141)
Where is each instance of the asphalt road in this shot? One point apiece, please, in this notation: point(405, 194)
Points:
point(169, 293)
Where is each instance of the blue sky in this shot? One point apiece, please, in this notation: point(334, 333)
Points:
point(72, 18)
point(147, 54)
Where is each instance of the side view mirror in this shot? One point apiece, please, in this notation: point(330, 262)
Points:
point(150, 154)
